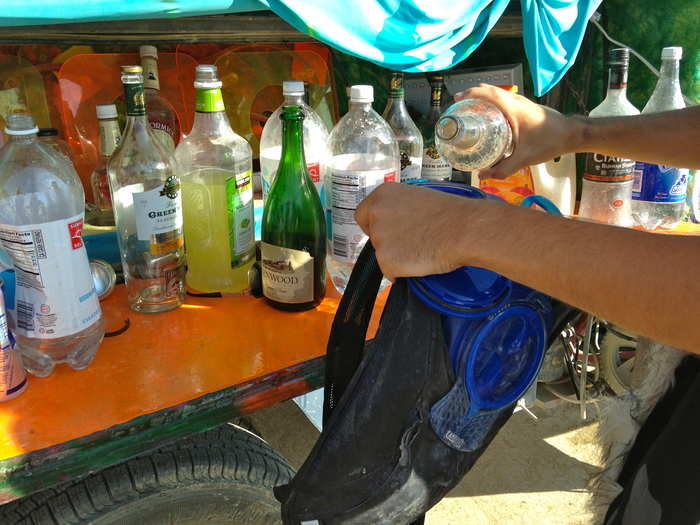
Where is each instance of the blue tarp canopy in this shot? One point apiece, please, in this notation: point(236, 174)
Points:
point(407, 35)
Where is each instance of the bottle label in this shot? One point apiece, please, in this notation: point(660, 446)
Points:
point(164, 134)
point(158, 214)
point(239, 203)
point(109, 136)
point(435, 166)
point(209, 101)
point(618, 76)
point(287, 274)
point(604, 168)
point(659, 183)
point(410, 167)
point(150, 73)
point(135, 100)
point(349, 188)
point(55, 295)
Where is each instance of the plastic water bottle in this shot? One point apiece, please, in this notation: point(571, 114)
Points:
point(315, 144)
point(606, 193)
point(473, 134)
point(659, 191)
point(42, 203)
point(365, 154)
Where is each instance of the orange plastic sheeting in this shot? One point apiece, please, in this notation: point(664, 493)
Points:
point(163, 360)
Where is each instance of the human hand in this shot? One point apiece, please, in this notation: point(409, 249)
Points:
point(417, 231)
point(539, 133)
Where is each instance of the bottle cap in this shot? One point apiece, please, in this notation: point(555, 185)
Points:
point(292, 87)
point(105, 111)
point(619, 55)
point(148, 51)
point(362, 93)
point(132, 69)
point(675, 53)
point(47, 132)
point(20, 124)
point(207, 77)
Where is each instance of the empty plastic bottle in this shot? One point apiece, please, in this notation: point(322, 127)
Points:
point(365, 154)
point(42, 203)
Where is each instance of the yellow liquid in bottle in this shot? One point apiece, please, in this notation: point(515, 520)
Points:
point(217, 260)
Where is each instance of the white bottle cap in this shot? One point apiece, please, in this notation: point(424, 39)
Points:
point(362, 93)
point(148, 51)
point(676, 52)
point(292, 87)
point(106, 111)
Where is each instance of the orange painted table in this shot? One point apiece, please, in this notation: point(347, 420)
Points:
point(166, 376)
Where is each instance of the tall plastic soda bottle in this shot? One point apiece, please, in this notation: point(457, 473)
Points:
point(217, 194)
point(42, 204)
point(606, 194)
point(315, 144)
point(365, 154)
point(659, 191)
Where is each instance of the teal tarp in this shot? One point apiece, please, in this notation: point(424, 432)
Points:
point(408, 35)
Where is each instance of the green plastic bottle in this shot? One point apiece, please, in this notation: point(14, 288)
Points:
point(293, 228)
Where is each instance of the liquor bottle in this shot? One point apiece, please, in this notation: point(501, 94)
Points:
point(42, 205)
point(147, 207)
point(446, 98)
point(365, 155)
point(407, 134)
point(606, 194)
point(658, 193)
point(435, 166)
point(110, 135)
point(294, 227)
point(217, 194)
point(161, 114)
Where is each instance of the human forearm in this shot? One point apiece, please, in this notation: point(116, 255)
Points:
point(669, 138)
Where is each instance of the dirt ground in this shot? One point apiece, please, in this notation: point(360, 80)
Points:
point(535, 472)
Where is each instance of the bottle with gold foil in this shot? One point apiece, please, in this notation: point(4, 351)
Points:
point(161, 114)
point(146, 199)
point(435, 166)
point(217, 194)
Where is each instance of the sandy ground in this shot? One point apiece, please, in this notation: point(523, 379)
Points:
point(535, 472)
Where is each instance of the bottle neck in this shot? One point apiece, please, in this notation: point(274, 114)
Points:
point(670, 68)
point(210, 117)
point(135, 106)
point(292, 146)
point(294, 100)
point(150, 73)
point(109, 136)
point(362, 107)
point(617, 82)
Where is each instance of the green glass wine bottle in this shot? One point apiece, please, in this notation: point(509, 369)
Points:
point(293, 228)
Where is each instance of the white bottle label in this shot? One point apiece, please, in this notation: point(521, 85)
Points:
point(410, 168)
point(349, 189)
point(435, 166)
point(55, 294)
point(158, 214)
point(287, 274)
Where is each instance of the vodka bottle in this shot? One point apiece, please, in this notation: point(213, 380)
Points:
point(110, 135)
point(161, 114)
point(435, 166)
point(146, 199)
point(217, 194)
point(42, 204)
point(606, 195)
point(294, 227)
point(365, 155)
point(407, 134)
point(658, 195)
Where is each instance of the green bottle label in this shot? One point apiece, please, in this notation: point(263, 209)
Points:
point(396, 86)
point(209, 101)
point(239, 203)
point(135, 102)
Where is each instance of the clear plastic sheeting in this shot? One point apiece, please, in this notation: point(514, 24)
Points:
point(407, 35)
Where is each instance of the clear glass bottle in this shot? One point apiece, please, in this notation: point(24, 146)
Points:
point(146, 199)
point(434, 166)
point(217, 194)
point(407, 134)
point(42, 205)
point(365, 154)
point(473, 134)
point(110, 135)
point(606, 195)
point(658, 193)
point(293, 247)
point(161, 114)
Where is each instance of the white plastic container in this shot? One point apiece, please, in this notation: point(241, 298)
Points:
point(556, 180)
